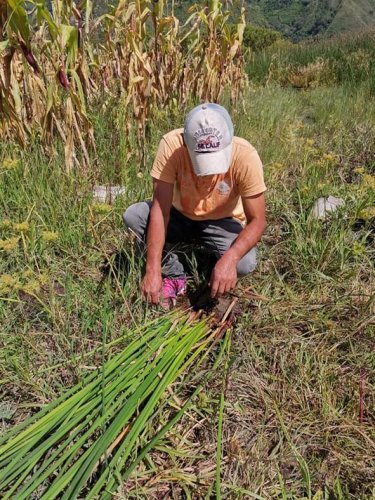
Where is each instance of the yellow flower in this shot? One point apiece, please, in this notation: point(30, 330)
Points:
point(368, 213)
point(27, 273)
point(43, 279)
point(8, 283)
point(9, 244)
point(50, 236)
point(9, 163)
point(7, 279)
point(276, 165)
point(359, 170)
point(5, 224)
point(304, 189)
point(358, 249)
point(328, 157)
point(369, 181)
point(22, 227)
point(101, 208)
point(310, 142)
point(31, 287)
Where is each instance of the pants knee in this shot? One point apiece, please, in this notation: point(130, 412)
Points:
point(135, 217)
point(130, 217)
point(247, 264)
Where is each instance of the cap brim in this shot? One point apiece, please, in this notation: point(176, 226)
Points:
point(217, 162)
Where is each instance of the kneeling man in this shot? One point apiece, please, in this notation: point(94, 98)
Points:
point(208, 190)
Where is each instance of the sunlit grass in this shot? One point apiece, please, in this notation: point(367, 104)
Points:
point(292, 424)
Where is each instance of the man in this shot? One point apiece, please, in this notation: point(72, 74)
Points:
point(208, 189)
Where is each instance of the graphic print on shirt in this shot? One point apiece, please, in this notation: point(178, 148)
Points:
point(224, 188)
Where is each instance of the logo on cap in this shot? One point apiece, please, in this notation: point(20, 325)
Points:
point(207, 140)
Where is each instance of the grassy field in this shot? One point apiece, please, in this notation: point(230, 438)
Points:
point(346, 60)
point(299, 398)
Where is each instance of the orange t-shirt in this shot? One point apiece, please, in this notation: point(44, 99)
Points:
point(210, 196)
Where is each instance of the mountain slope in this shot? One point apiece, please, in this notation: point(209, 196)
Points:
point(353, 14)
point(299, 19)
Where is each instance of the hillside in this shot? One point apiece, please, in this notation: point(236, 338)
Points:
point(298, 19)
point(353, 14)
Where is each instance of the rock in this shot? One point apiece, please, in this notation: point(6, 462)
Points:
point(323, 206)
point(107, 194)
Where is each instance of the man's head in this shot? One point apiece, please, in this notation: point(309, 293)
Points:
point(208, 135)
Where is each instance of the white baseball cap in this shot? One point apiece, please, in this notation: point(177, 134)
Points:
point(208, 135)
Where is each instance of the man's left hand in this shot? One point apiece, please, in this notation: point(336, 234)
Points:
point(224, 275)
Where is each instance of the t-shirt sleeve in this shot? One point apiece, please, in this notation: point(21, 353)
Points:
point(250, 178)
point(164, 167)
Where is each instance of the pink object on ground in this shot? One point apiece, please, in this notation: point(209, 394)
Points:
point(172, 287)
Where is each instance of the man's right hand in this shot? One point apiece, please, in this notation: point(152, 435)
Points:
point(151, 287)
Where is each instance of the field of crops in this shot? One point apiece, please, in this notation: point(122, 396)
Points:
point(283, 405)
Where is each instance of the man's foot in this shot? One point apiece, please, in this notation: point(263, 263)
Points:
point(172, 288)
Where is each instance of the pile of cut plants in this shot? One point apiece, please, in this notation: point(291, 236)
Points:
point(88, 442)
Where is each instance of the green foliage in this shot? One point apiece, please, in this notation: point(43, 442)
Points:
point(257, 38)
point(296, 19)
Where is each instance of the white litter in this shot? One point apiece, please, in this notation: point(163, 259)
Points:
point(107, 194)
point(324, 206)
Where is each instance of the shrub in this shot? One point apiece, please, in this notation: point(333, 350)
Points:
point(258, 39)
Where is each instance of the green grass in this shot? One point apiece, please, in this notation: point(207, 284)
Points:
point(349, 61)
point(291, 426)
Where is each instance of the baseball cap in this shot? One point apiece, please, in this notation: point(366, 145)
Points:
point(208, 135)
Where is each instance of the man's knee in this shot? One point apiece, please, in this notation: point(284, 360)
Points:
point(247, 264)
point(136, 216)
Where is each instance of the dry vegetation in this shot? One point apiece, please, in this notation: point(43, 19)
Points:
point(50, 69)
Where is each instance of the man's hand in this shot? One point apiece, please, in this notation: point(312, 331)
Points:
point(151, 287)
point(224, 275)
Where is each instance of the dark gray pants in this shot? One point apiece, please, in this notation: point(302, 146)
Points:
point(215, 235)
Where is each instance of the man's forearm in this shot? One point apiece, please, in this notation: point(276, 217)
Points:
point(247, 239)
point(156, 238)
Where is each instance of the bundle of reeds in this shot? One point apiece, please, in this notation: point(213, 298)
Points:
point(90, 439)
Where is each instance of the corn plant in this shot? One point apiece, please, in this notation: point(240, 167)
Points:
point(50, 70)
point(157, 63)
point(89, 439)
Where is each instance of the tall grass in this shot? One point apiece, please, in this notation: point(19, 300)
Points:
point(349, 60)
